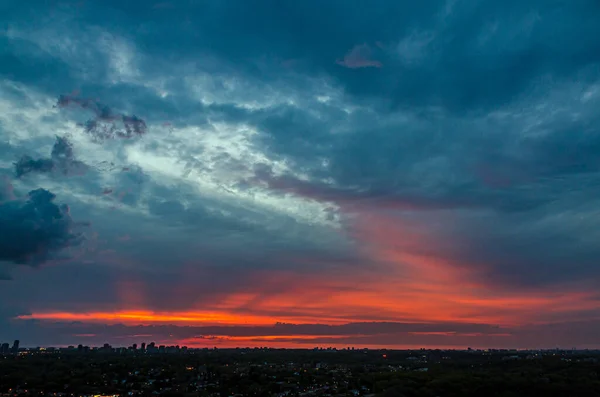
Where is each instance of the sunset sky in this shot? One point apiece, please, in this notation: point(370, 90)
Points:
point(305, 173)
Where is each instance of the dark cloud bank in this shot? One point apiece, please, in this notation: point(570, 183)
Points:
point(400, 335)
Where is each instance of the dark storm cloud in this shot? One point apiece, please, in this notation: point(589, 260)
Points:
point(62, 160)
point(456, 54)
point(35, 229)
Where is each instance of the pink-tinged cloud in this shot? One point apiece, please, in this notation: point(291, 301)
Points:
point(359, 57)
point(107, 123)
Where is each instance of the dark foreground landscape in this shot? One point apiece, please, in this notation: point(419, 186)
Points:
point(270, 372)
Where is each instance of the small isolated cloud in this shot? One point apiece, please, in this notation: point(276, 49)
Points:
point(62, 160)
point(35, 229)
point(106, 123)
point(359, 57)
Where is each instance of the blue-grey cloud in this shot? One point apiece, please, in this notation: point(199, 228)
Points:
point(35, 229)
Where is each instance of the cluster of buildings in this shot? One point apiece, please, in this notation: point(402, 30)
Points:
point(5, 348)
point(151, 348)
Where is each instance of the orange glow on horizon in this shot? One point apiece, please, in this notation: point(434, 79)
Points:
point(404, 282)
point(150, 317)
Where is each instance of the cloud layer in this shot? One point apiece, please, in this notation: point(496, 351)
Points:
point(329, 165)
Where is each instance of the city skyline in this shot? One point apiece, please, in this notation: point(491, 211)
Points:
point(155, 348)
point(300, 173)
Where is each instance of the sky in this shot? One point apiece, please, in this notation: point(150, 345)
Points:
point(300, 173)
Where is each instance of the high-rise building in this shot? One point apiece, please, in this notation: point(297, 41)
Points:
point(15, 347)
point(143, 346)
point(151, 348)
point(4, 348)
